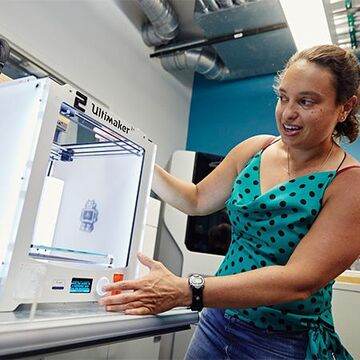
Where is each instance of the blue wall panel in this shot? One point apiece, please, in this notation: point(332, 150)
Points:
point(224, 113)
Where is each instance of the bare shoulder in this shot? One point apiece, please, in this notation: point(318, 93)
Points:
point(349, 171)
point(346, 185)
point(350, 161)
point(242, 152)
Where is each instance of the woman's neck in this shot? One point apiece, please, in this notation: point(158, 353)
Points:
point(314, 160)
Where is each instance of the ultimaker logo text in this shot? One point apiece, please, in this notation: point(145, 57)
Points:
point(80, 103)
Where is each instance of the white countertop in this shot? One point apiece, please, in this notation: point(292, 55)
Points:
point(71, 326)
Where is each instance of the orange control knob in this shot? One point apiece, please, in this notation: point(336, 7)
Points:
point(117, 277)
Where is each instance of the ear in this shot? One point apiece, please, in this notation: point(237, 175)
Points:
point(347, 107)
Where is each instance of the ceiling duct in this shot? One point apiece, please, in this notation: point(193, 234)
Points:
point(4, 53)
point(163, 23)
point(203, 61)
point(215, 5)
point(163, 27)
point(260, 42)
point(226, 3)
point(258, 54)
point(211, 5)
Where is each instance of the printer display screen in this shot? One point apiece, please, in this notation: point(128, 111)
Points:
point(80, 286)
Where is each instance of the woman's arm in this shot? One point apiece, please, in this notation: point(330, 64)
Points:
point(329, 248)
point(210, 194)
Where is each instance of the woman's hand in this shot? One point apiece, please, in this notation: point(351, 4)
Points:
point(154, 293)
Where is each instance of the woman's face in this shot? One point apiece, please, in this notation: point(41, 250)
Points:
point(306, 112)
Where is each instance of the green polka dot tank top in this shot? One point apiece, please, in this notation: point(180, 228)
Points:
point(266, 228)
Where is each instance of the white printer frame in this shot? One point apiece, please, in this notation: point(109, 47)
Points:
point(25, 280)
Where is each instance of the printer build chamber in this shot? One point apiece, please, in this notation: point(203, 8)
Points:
point(87, 207)
point(93, 215)
point(76, 187)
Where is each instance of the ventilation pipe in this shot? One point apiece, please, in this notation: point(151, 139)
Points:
point(163, 24)
point(202, 61)
point(203, 7)
point(4, 53)
point(216, 5)
point(226, 3)
point(163, 27)
point(212, 5)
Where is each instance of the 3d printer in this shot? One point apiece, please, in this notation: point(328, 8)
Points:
point(74, 187)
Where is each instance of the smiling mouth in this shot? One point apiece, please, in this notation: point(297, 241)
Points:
point(291, 129)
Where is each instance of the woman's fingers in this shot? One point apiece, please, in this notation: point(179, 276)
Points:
point(141, 310)
point(123, 285)
point(158, 291)
point(138, 311)
point(130, 304)
point(123, 298)
point(125, 307)
point(133, 284)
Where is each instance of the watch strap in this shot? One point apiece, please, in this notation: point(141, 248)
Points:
point(197, 299)
point(197, 292)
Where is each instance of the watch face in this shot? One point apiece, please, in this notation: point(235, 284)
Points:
point(197, 281)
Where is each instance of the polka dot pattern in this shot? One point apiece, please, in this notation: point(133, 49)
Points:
point(267, 227)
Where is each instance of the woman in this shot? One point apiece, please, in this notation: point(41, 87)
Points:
point(294, 206)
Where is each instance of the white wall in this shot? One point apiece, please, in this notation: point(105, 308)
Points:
point(94, 45)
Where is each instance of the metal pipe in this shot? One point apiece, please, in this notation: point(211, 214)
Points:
point(203, 6)
point(4, 53)
point(202, 61)
point(242, 2)
point(212, 5)
point(225, 3)
point(164, 24)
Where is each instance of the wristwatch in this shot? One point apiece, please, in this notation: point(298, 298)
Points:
point(196, 284)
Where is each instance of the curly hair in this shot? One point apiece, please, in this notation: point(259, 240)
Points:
point(345, 68)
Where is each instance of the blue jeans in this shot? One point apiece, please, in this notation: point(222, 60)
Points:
point(219, 336)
